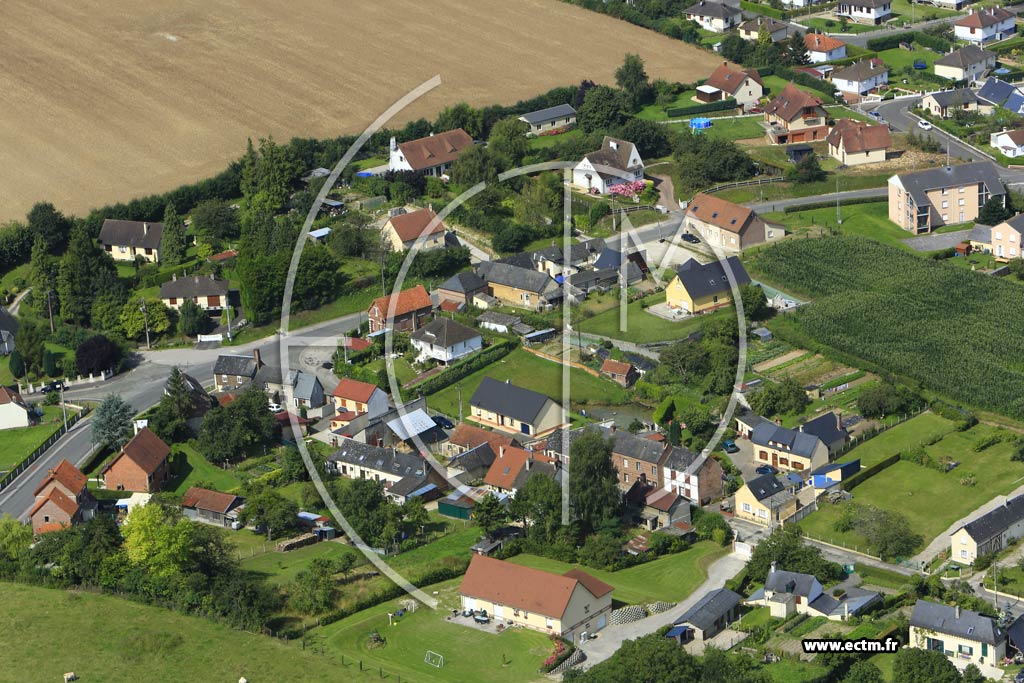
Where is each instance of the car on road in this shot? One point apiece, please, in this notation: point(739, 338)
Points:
point(52, 386)
point(275, 408)
point(924, 125)
point(876, 114)
point(766, 469)
point(443, 422)
point(730, 446)
point(692, 239)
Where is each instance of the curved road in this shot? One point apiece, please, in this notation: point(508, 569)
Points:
point(143, 386)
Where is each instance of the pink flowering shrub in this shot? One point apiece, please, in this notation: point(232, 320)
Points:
point(629, 189)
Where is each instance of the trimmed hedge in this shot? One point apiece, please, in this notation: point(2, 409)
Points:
point(467, 367)
point(831, 203)
point(721, 105)
point(867, 473)
point(800, 78)
point(919, 37)
point(766, 10)
point(846, 61)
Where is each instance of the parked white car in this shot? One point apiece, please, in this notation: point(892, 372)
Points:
point(924, 125)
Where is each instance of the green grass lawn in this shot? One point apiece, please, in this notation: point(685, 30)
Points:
point(739, 128)
point(897, 59)
point(832, 26)
point(793, 671)
point(868, 220)
point(369, 163)
point(530, 372)
point(902, 437)
point(849, 180)
point(469, 654)
point(903, 10)
point(6, 378)
point(841, 111)
point(542, 141)
point(656, 112)
point(137, 642)
point(281, 568)
point(670, 578)
point(641, 326)
point(929, 499)
point(759, 616)
point(198, 470)
point(16, 274)
point(19, 443)
point(884, 662)
point(881, 577)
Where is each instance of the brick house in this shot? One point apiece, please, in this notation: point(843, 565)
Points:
point(142, 465)
point(620, 372)
point(412, 309)
point(62, 499)
point(232, 371)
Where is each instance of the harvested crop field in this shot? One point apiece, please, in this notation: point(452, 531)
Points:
point(109, 99)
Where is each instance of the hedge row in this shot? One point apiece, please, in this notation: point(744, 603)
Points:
point(466, 367)
point(766, 10)
point(800, 78)
point(923, 39)
point(721, 105)
point(868, 472)
point(846, 61)
point(831, 203)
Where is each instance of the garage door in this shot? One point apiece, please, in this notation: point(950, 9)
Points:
point(468, 603)
point(499, 612)
point(602, 621)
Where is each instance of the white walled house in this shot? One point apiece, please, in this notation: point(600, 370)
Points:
point(865, 11)
point(14, 412)
point(962, 635)
point(1010, 143)
point(822, 48)
point(860, 78)
point(751, 30)
point(432, 155)
point(969, 63)
point(446, 341)
point(985, 25)
point(745, 87)
point(714, 16)
point(616, 162)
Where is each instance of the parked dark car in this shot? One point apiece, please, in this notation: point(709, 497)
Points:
point(730, 446)
point(766, 469)
point(52, 386)
point(692, 239)
point(443, 422)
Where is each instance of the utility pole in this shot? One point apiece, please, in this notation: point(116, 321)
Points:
point(49, 307)
point(459, 386)
point(63, 406)
point(145, 321)
point(227, 312)
point(839, 218)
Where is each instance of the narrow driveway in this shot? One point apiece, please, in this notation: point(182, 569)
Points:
point(611, 638)
point(780, 204)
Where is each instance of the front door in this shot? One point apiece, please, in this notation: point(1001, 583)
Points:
point(775, 460)
point(499, 612)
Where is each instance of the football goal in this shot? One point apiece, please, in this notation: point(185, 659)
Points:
point(434, 659)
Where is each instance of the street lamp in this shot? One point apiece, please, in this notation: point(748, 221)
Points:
point(145, 321)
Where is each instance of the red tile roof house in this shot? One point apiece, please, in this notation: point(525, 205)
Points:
point(620, 372)
point(564, 605)
point(62, 499)
point(210, 507)
point(466, 437)
point(432, 155)
point(353, 398)
point(795, 116)
point(142, 465)
point(412, 309)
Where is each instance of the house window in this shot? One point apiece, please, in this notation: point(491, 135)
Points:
point(654, 470)
point(965, 650)
point(746, 507)
point(963, 554)
point(945, 204)
point(762, 513)
point(638, 467)
point(963, 540)
point(945, 190)
point(625, 478)
point(961, 189)
point(961, 202)
point(549, 623)
point(625, 464)
point(123, 250)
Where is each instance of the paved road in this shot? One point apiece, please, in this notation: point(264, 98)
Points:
point(936, 241)
point(611, 638)
point(143, 386)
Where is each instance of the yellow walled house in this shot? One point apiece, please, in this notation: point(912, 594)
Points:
point(698, 288)
point(989, 533)
point(520, 287)
point(853, 143)
point(206, 292)
point(1006, 238)
point(127, 240)
point(787, 449)
point(504, 406)
point(565, 605)
point(765, 500)
point(421, 227)
point(962, 635)
point(923, 201)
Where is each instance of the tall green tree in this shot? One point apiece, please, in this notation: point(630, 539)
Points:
point(134, 320)
point(864, 671)
point(314, 591)
point(49, 224)
point(633, 79)
point(170, 418)
point(489, 514)
point(508, 139)
point(460, 115)
point(476, 164)
point(785, 547)
point(172, 241)
point(112, 422)
point(603, 109)
point(594, 495)
point(43, 270)
point(913, 665)
point(796, 51)
point(538, 507)
point(266, 177)
point(243, 427)
point(16, 364)
point(993, 212)
point(15, 537)
point(192, 319)
point(272, 511)
point(215, 219)
point(80, 268)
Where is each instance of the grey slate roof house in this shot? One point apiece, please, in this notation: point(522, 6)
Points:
point(505, 406)
point(461, 287)
point(945, 102)
point(914, 197)
point(989, 533)
point(967, 63)
point(521, 287)
point(787, 449)
point(208, 293)
point(786, 593)
point(828, 430)
point(445, 340)
point(960, 634)
point(711, 614)
point(705, 285)
point(124, 240)
point(8, 328)
point(232, 371)
point(551, 118)
point(472, 465)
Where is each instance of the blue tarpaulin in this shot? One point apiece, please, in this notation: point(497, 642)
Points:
point(700, 123)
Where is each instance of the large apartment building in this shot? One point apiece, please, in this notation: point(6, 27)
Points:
point(923, 201)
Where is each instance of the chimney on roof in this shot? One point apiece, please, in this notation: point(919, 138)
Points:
point(956, 611)
point(771, 570)
point(394, 144)
point(145, 228)
point(256, 357)
point(196, 278)
point(501, 451)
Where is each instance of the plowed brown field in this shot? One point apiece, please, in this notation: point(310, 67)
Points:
point(103, 100)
